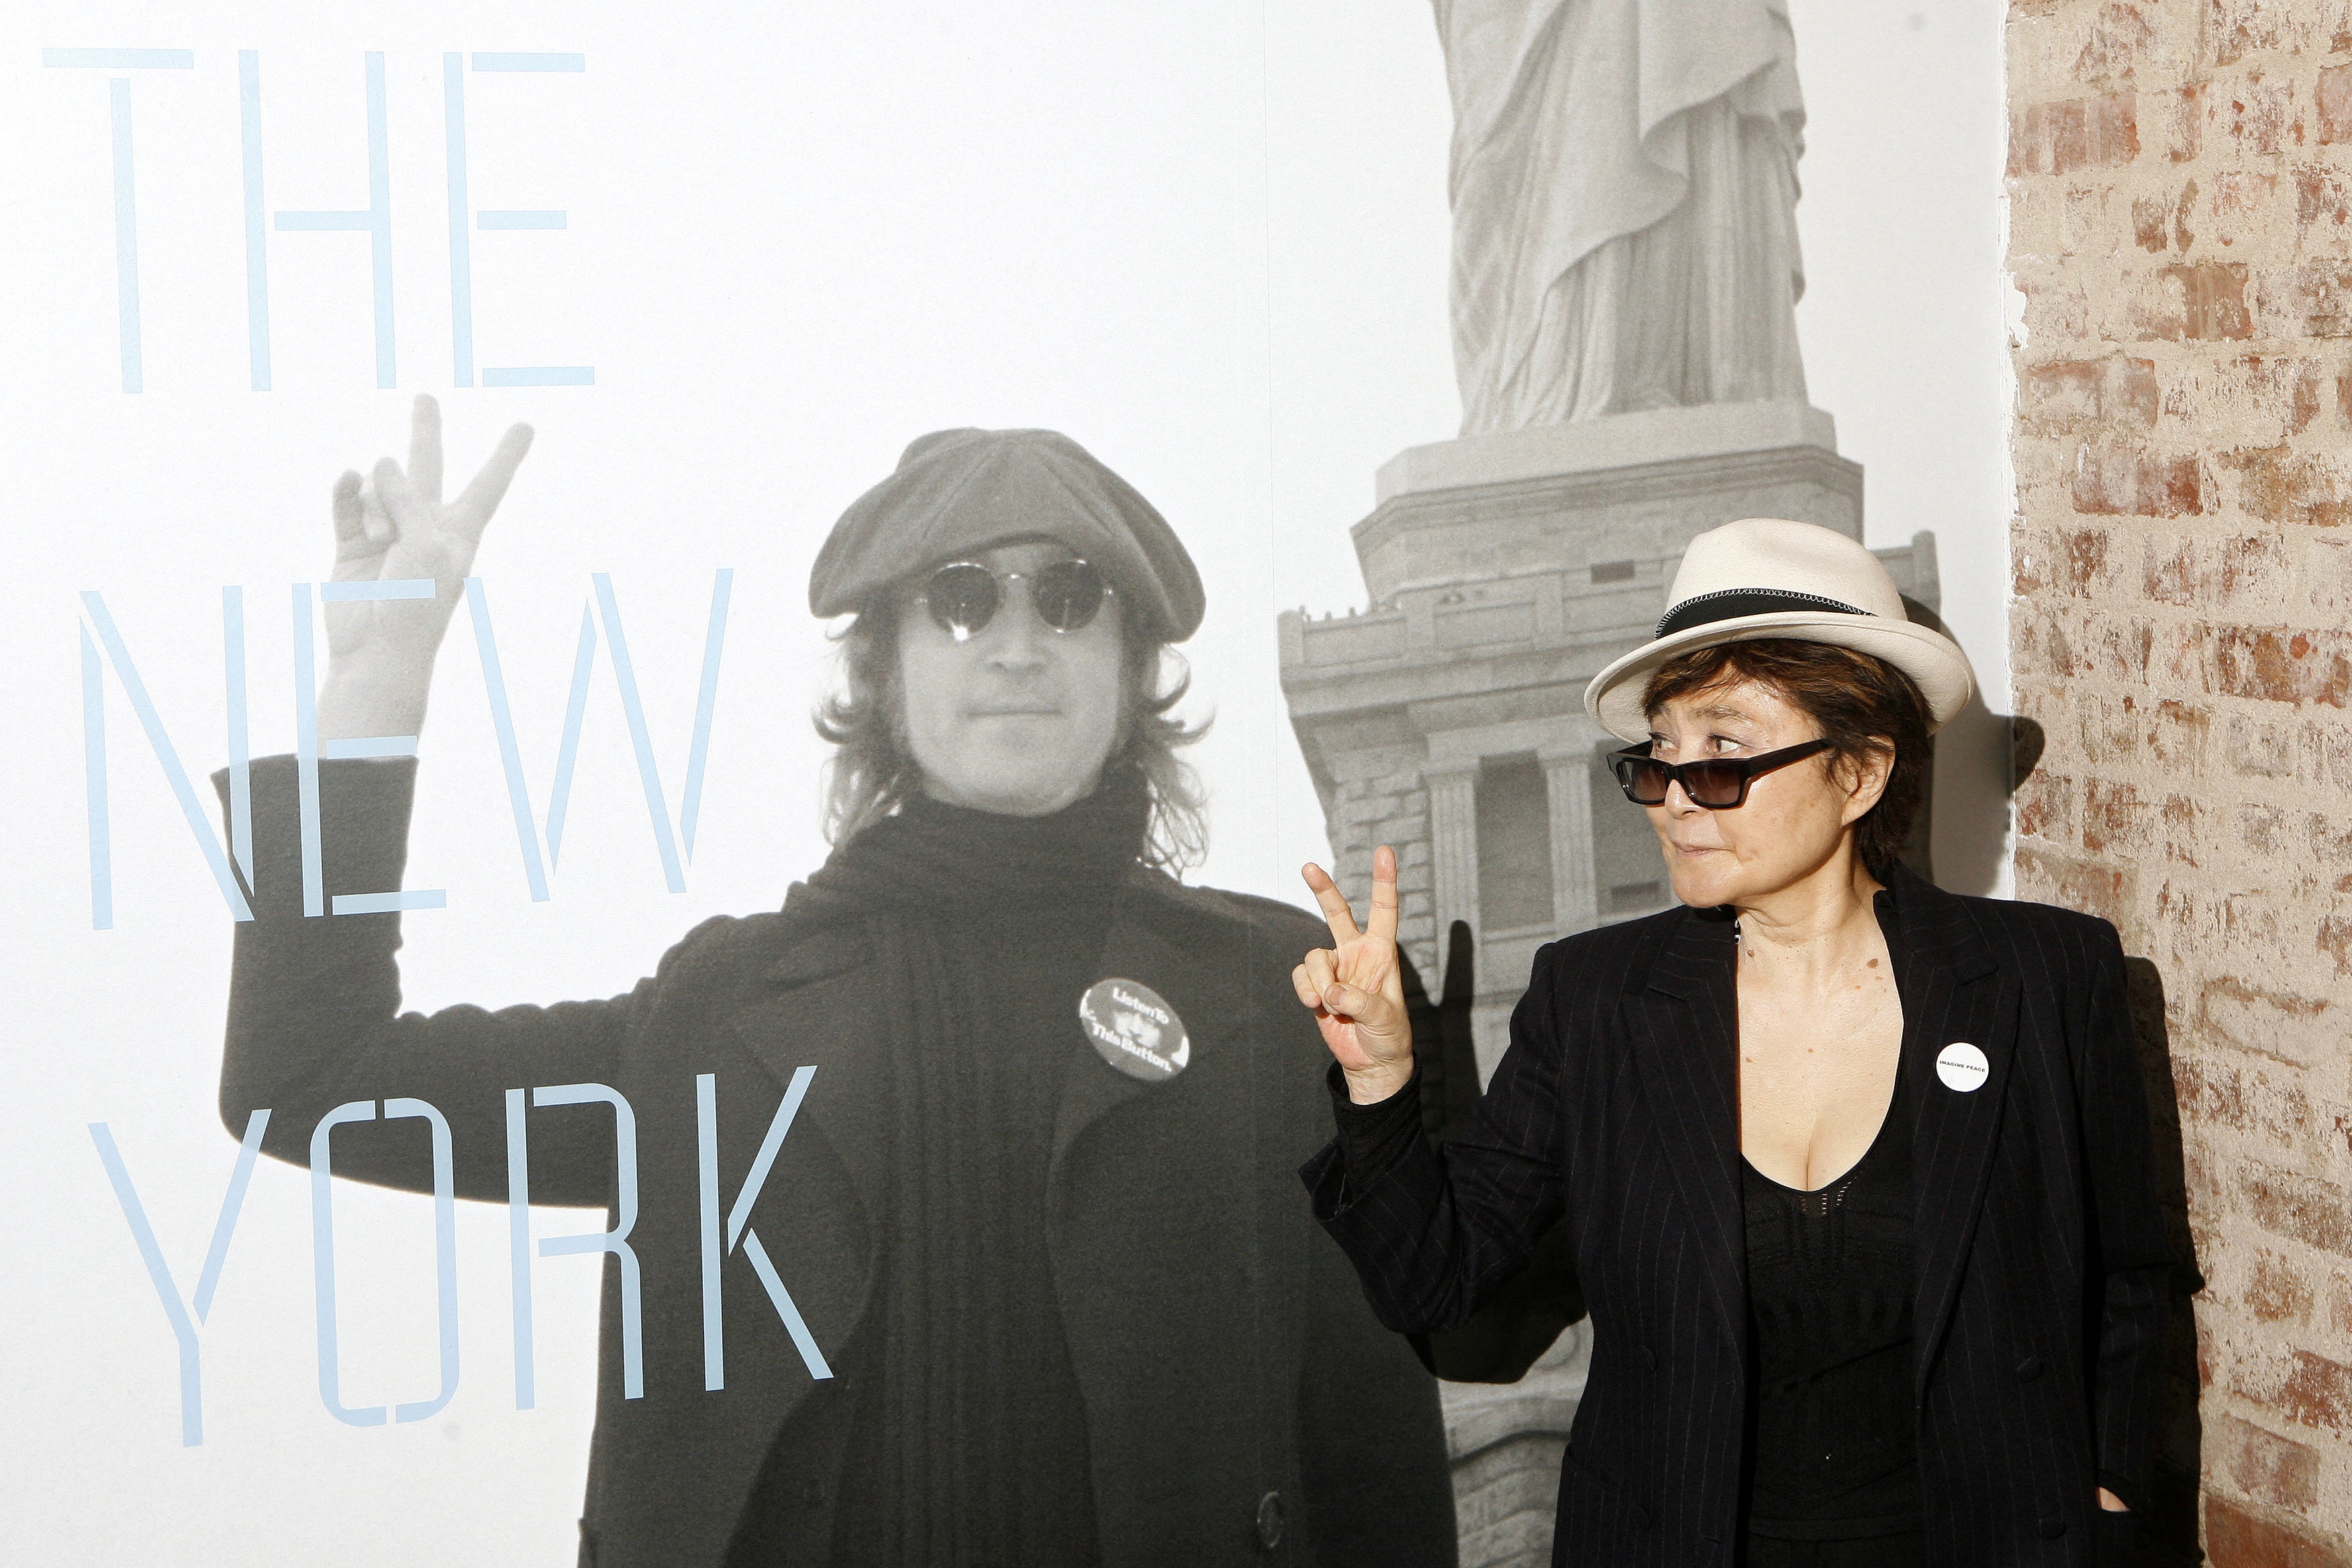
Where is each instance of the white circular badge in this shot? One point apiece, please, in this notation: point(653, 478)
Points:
point(1131, 1026)
point(1962, 1067)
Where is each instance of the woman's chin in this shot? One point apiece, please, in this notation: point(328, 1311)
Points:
point(1702, 891)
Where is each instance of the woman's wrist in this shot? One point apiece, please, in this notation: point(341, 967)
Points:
point(1370, 1086)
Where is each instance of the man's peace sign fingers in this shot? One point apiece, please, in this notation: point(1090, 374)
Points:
point(424, 449)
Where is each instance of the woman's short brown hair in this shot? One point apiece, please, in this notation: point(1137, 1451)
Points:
point(1863, 705)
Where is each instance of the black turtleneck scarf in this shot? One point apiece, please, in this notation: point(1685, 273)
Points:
point(965, 1431)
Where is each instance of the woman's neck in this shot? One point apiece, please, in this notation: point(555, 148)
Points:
point(1815, 927)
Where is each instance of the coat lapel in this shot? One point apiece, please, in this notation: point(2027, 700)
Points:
point(1689, 1070)
point(1953, 991)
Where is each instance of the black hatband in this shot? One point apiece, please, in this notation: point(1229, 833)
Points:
point(1731, 604)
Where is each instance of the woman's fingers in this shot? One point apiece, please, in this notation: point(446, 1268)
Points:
point(1336, 912)
point(424, 449)
point(1383, 921)
point(1320, 967)
point(1309, 995)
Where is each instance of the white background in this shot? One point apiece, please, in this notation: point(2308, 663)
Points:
point(1208, 241)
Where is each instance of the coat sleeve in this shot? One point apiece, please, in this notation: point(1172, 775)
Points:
point(1434, 1232)
point(2132, 1262)
point(314, 1017)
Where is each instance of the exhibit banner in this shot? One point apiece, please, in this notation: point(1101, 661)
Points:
point(670, 669)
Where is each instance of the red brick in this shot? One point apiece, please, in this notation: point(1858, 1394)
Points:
point(2115, 818)
point(2181, 111)
point(2322, 202)
point(2332, 105)
point(2120, 38)
point(2074, 134)
point(2259, 118)
point(2272, 1023)
point(2065, 395)
point(2253, 567)
point(2202, 301)
point(2242, 202)
point(2045, 807)
point(2076, 884)
point(2126, 481)
point(2278, 484)
point(2318, 1393)
point(2274, 1292)
point(2212, 1094)
point(2169, 571)
point(2237, 1537)
point(2262, 751)
point(2328, 578)
point(2300, 1207)
point(2151, 219)
point(2267, 1468)
point(2236, 29)
point(2276, 664)
point(2334, 938)
point(2314, 299)
point(2056, 309)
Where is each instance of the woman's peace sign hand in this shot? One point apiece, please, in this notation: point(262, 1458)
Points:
point(1356, 986)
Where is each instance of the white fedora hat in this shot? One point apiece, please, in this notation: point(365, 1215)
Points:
point(1768, 577)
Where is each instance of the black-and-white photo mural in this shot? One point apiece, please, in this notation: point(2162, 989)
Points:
point(673, 669)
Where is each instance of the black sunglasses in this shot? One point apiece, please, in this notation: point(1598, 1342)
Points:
point(964, 595)
point(1717, 783)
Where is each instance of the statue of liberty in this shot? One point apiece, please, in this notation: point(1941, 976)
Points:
point(1623, 180)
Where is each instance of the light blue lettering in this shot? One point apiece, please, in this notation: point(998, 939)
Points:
point(613, 1241)
point(375, 220)
point(463, 221)
point(185, 1317)
point(126, 197)
point(445, 1255)
point(668, 840)
point(738, 1228)
point(93, 697)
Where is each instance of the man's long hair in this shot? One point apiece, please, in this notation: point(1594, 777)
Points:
point(874, 769)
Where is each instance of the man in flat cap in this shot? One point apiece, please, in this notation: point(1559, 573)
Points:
point(1034, 1286)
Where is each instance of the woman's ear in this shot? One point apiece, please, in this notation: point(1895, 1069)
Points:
point(1864, 778)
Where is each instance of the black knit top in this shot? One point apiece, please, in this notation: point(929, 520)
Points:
point(1828, 1302)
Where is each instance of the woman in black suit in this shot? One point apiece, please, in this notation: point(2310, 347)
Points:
point(1854, 1170)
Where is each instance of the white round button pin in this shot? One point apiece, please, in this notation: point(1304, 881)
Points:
point(1133, 1028)
point(1962, 1067)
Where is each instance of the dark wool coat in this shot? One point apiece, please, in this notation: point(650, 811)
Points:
point(1242, 1405)
point(2041, 1265)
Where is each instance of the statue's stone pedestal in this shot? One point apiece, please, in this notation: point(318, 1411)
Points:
point(1447, 718)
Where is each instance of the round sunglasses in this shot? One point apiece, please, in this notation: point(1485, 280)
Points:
point(1717, 783)
point(963, 596)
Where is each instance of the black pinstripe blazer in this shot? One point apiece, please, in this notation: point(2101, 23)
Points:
point(2041, 1265)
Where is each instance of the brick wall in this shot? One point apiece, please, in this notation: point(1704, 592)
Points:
point(2180, 176)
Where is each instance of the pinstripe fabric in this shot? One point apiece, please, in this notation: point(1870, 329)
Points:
point(2041, 1264)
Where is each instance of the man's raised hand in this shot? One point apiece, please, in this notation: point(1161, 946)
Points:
point(1356, 986)
point(396, 526)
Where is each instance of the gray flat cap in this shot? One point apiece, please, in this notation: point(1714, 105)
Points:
point(956, 492)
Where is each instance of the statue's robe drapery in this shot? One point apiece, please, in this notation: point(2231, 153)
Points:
point(1623, 180)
